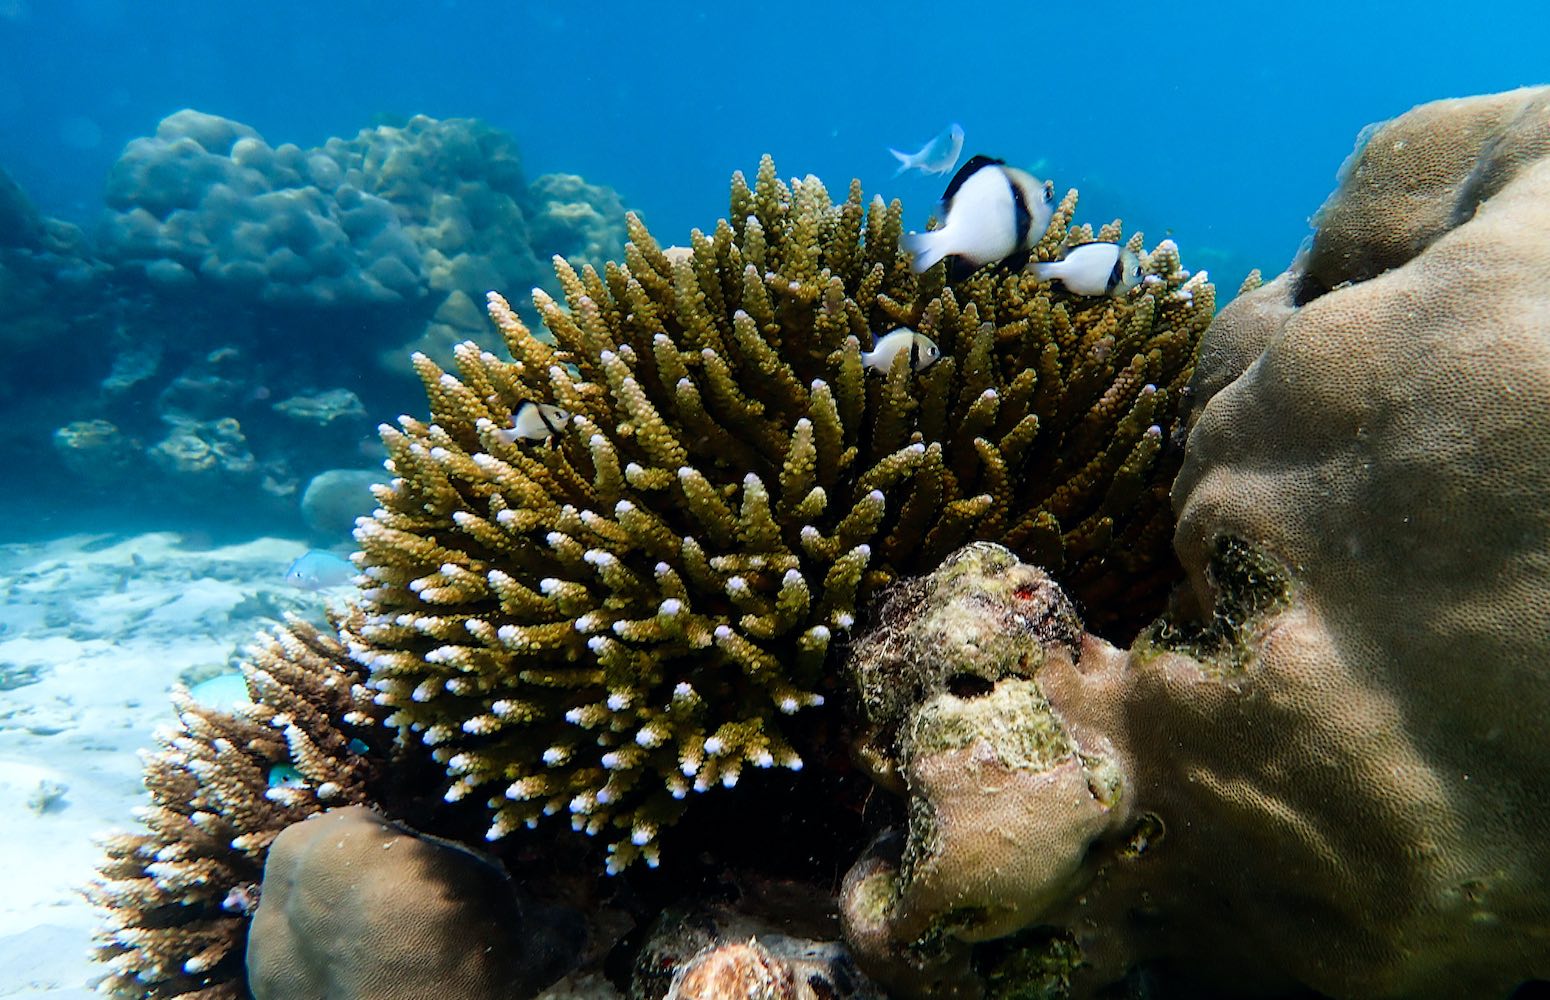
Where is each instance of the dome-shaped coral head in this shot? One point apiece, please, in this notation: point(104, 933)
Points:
point(599, 621)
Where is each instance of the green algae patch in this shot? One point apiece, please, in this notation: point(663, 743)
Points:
point(1249, 586)
point(1035, 965)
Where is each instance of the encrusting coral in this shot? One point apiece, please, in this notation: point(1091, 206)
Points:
point(223, 786)
point(605, 621)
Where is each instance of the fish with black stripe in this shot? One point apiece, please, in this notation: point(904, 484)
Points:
point(991, 212)
point(1093, 269)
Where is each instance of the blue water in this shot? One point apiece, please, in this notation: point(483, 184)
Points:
point(1221, 122)
point(1218, 125)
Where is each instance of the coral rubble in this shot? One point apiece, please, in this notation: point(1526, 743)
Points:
point(717, 953)
point(603, 622)
point(1323, 771)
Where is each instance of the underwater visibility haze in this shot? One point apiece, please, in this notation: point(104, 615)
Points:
point(792, 502)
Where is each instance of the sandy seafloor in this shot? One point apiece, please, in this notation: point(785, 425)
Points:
point(94, 631)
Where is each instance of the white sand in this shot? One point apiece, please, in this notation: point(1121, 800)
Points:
point(94, 630)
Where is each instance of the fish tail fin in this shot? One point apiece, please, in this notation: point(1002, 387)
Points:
point(1047, 270)
point(927, 248)
point(906, 161)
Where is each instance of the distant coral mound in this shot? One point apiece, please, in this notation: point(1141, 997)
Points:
point(394, 215)
point(45, 267)
point(207, 197)
point(253, 297)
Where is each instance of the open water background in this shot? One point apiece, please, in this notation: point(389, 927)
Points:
point(1220, 122)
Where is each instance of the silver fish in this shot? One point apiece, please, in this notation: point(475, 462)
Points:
point(318, 570)
point(937, 156)
point(534, 422)
point(1093, 269)
point(922, 350)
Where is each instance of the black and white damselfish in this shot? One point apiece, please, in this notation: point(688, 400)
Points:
point(990, 212)
point(1093, 269)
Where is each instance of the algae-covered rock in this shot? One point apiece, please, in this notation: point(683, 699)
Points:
point(1005, 800)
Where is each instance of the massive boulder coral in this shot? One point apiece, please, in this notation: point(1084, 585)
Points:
point(1325, 769)
point(356, 907)
point(600, 621)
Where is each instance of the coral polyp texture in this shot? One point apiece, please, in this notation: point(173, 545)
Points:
point(178, 897)
point(605, 617)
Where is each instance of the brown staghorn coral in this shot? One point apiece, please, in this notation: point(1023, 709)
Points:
point(605, 621)
point(177, 898)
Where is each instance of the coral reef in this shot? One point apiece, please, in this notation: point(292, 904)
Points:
point(334, 498)
point(46, 270)
point(206, 197)
point(603, 622)
point(430, 209)
point(51, 293)
point(640, 605)
point(235, 280)
point(358, 908)
point(1323, 770)
point(223, 786)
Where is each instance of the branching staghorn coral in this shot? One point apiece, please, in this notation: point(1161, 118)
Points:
point(177, 898)
point(602, 622)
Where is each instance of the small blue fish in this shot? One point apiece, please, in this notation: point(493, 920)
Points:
point(318, 570)
point(936, 156)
